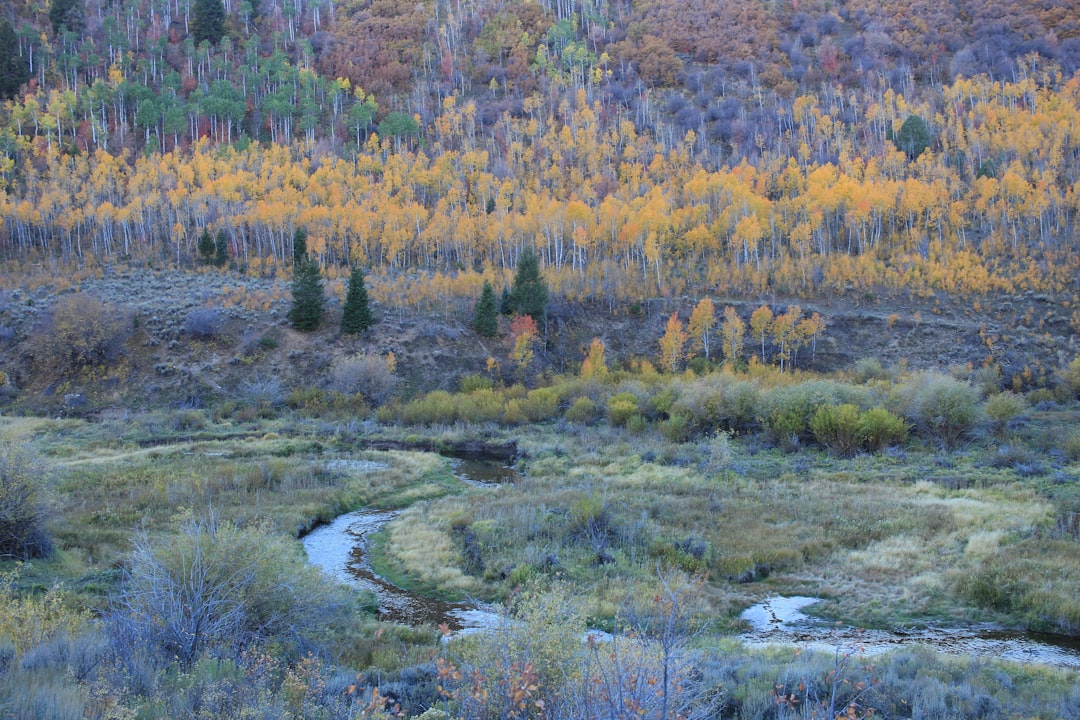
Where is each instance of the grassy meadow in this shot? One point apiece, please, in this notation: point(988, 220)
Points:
point(653, 506)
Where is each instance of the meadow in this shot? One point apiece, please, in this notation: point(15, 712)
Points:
point(655, 507)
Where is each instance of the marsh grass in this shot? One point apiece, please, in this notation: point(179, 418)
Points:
point(883, 537)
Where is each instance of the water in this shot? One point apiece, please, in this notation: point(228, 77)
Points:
point(340, 549)
point(780, 621)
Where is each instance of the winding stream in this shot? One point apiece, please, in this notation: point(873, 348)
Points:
point(339, 549)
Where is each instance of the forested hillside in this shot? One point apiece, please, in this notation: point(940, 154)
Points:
point(641, 148)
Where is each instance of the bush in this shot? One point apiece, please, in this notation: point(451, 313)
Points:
point(22, 513)
point(474, 382)
point(879, 428)
point(621, 407)
point(216, 589)
point(837, 427)
point(945, 409)
point(203, 323)
point(867, 369)
point(582, 411)
point(81, 331)
point(1003, 408)
point(1070, 379)
point(676, 428)
point(785, 411)
point(263, 392)
point(369, 375)
point(1072, 445)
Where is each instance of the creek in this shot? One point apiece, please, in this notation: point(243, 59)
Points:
point(340, 549)
point(780, 621)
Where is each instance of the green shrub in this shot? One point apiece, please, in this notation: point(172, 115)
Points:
point(190, 419)
point(223, 586)
point(660, 404)
point(1070, 379)
point(867, 369)
point(837, 427)
point(513, 414)
point(944, 409)
point(879, 428)
point(719, 401)
point(22, 511)
point(541, 404)
point(676, 428)
point(621, 408)
point(1072, 445)
point(474, 382)
point(479, 406)
point(437, 406)
point(582, 411)
point(637, 423)
point(1002, 408)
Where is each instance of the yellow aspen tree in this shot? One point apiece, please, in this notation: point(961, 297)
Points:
point(595, 364)
point(732, 333)
point(524, 332)
point(672, 344)
point(783, 334)
point(761, 325)
point(702, 321)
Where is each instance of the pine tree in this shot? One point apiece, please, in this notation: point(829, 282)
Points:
point(914, 137)
point(504, 302)
point(208, 21)
point(486, 319)
point(206, 245)
point(14, 71)
point(67, 15)
point(308, 302)
point(299, 246)
point(356, 317)
point(529, 294)
point(221, 249)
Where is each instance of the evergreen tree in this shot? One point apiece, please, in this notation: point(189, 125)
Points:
point(299, 245)
point(308, 302)
point(504, 302)
point(529, 294)
point(14, 70)
point(221, 249)
point(914, 137)
point(208, 21)
point(67, 15)
point(206, 245)
point(486, 319)
point(356, 317)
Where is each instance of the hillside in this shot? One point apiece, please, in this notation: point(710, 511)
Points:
point(200, 338)
point(832, 154)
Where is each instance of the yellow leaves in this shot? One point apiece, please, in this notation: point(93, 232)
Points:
point(672, 344)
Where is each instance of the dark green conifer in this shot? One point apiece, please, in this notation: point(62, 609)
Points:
point(308, 302)
point(208, 21)
point(486, 318)
point(529, 294)
point(299, 245)
point(504, 302)
point(14, 70)
point(206, 245)
point(69, 15)
point(913, 137)
point(356, 316)
point(221, 249)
